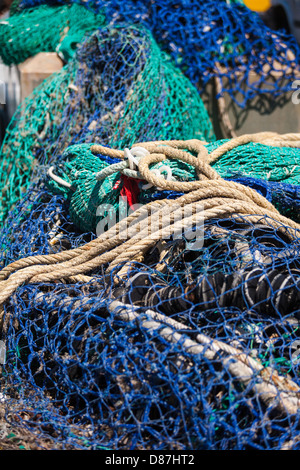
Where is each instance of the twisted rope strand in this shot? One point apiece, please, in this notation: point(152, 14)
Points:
point(134, 246)
point(91, 249)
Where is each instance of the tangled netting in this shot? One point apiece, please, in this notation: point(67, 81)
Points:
point(212, 38)
point(150, 278)
point(88, 182)
point(180, 340)
point(119, 87)
point(46, 29)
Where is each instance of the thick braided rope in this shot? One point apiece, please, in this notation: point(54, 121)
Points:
point(115, 250)
point(213, 208)
point(267, 138)
point(219, 198)
point(106, 241)
point(110, 249)
point(193, 145)
point(87, 251)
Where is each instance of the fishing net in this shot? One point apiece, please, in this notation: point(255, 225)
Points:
point(213, 38)
point(279, 164)
point(88, 181)
point(150, 280)
point(184, 336)
point(119, 87)
point(46, 29)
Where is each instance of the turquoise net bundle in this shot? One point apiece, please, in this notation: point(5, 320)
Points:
point(46, 29)
point(274, 171)
point(119, 87)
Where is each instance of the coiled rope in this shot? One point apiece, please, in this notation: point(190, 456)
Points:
point(132, 237)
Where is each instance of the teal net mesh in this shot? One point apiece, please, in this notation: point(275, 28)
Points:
point(46, 29)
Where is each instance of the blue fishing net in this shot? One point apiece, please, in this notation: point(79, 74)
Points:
point(193, 346)
point(153, 360)
point(213, 38)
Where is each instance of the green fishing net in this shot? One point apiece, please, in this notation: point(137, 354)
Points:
point(280, 164)
point(46, 29)
point(118, 89)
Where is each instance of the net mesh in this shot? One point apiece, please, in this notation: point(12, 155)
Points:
point(213, 38)
point(269, 163)
point(191, 348)
point(182, 340)
point(119, 87)
point(88, 373)
point(46, 29)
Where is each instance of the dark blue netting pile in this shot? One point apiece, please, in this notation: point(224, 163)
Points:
point(213, 38)
point(154, 360)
